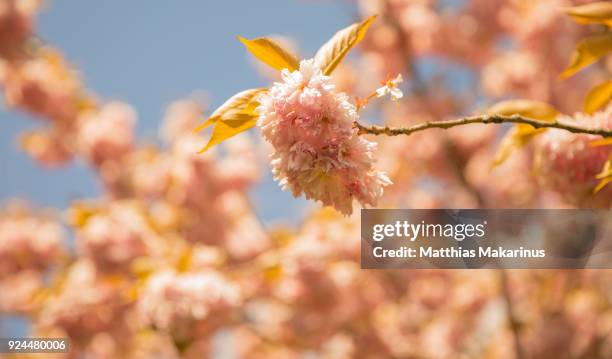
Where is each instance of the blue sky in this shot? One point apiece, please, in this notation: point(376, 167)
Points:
point(149, 53)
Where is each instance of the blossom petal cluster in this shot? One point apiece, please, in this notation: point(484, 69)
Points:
point(28, 242)
point(85, 305)
point(172, 299)
point(391, 87)
point(569, 163)
point(317, 152)
point(112, 239)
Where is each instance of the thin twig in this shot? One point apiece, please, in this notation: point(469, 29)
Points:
point(484, 119)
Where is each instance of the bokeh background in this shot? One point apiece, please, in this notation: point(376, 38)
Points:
point(220, 261)
point(164, 52)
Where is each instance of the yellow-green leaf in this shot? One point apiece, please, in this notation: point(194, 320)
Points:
point(507, 146)
point(79, 213)
point(594, 13)
point(603, 183)
point(242, 102)
point(587, 52)
point(598, 97)
point(605, 176)
point(528, 108)
point(229, 126)
point(271, 53)
point(332, 52)
point(273, 273)
point(606, 170)
point(602, 142)
point(521, 134)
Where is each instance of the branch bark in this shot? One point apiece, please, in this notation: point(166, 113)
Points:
point(484, 119)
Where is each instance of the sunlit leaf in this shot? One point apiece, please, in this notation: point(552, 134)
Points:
point(606, 171)
point(243, 102)
point(273, 273)
point(604, 177)
point(587, 52)
point(602, 142)
point(528, 108)
point(142, 267)
point(603, 183)
point(594, 13)
point(281, 236)
point(598, 97)
point(79, 213)
point(185, 260)
point(271, 53)
point(229, 126)
point(514, 140)
point(332, 52)
point(520, 134)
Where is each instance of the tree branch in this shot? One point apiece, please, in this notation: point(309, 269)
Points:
point(484, 119)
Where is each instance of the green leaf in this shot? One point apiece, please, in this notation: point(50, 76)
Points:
point(271, 53)
point(242, 102)
point(332, 52)
point(520, 135)
point(598, 97)
point(594, 13)
point(587, 52)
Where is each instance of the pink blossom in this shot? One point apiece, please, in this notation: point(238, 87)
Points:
point(245, 238)
point(85, 305)
point(240, 168)
point(421, 23)
point(568, 163)
point(18, 291)
point(150, 172)
point(48, 148)
point(205, 257)
point(180, 119)
point(182, 302)
point(514, 72)
point(28, 242)
point(44, 85)
point(192, 175)
point(316, 150)
point(383, 55)
point(117, 235)
point(106, 134)
point(16, 20)
point(391, 87)
point(539, 19)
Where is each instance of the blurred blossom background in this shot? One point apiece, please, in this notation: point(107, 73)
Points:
point(164, 53)
point(115, 233)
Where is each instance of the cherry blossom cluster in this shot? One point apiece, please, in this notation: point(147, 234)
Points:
point(569, 164)
point(317, 150)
